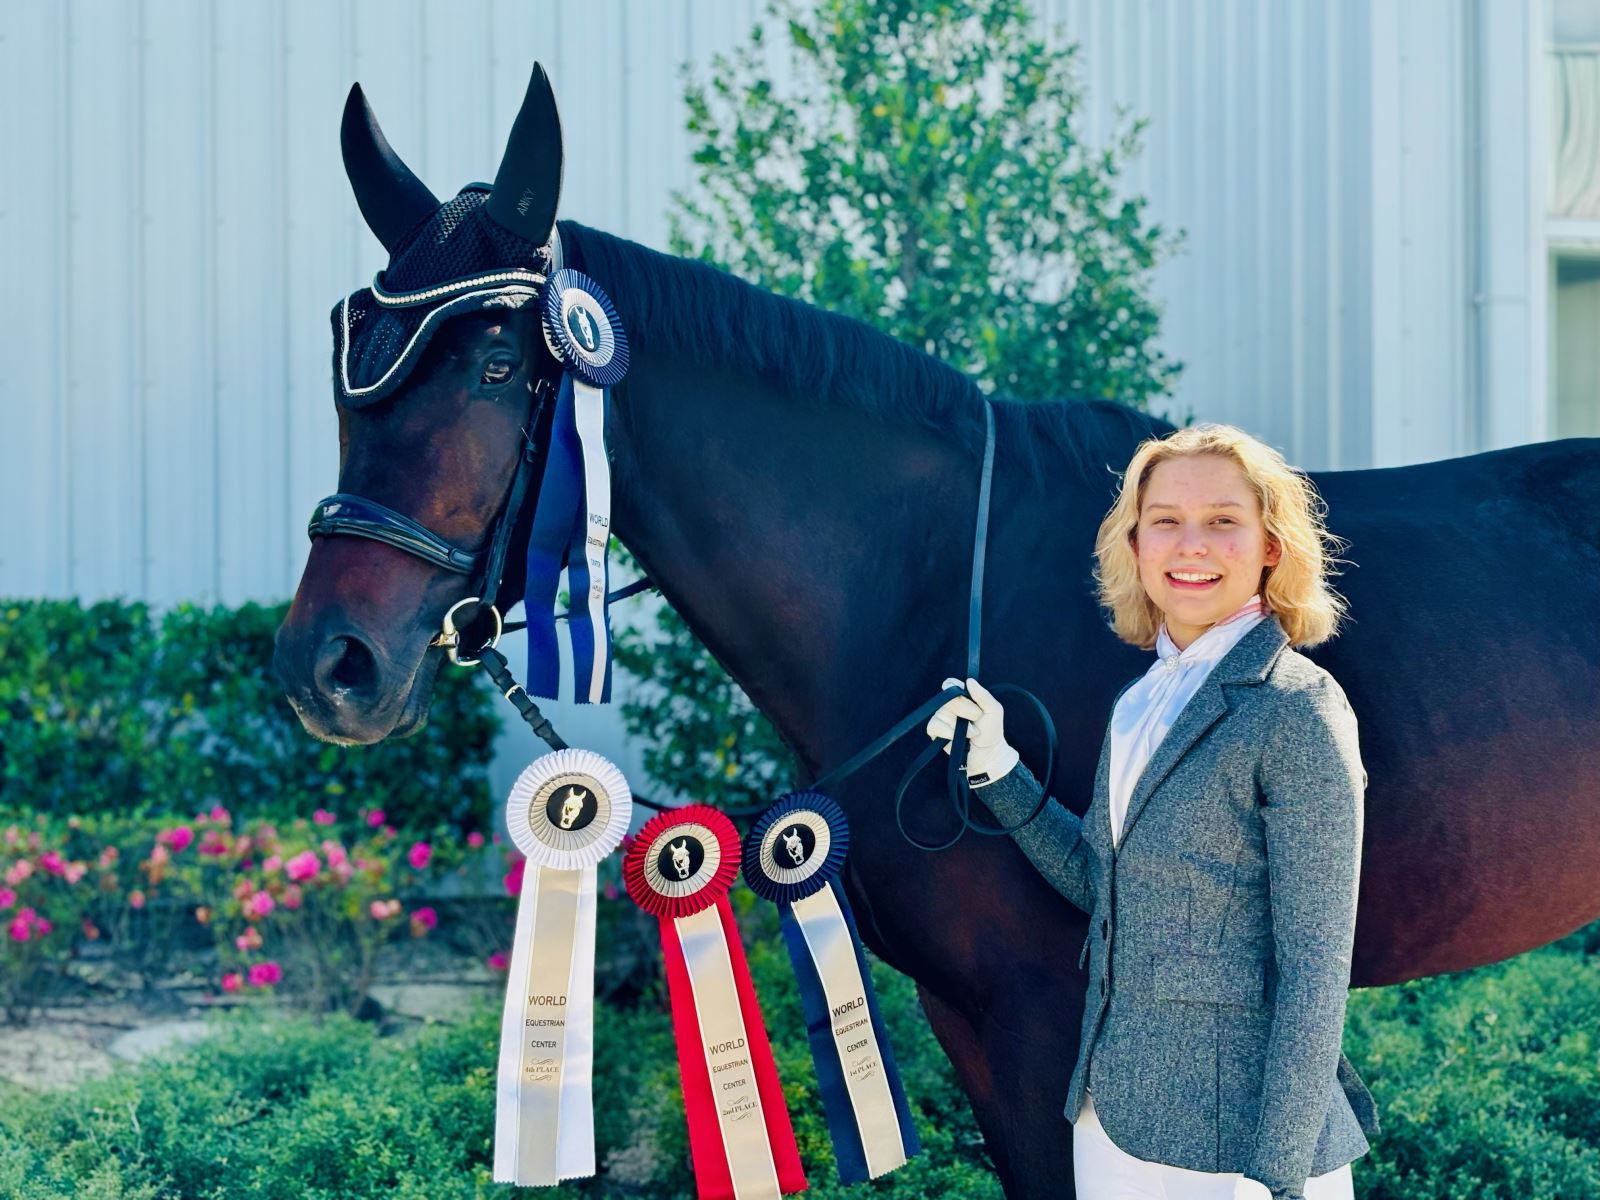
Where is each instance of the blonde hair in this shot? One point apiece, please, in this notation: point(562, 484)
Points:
point(1296, 590)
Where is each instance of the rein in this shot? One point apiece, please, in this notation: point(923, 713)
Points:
point(347, 514)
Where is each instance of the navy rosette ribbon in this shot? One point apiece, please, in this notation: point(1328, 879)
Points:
point(572, 520)
point(792, 856)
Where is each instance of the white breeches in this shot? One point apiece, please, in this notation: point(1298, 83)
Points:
point(1105, 1171)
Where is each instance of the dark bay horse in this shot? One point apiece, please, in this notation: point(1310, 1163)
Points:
point(803, 490)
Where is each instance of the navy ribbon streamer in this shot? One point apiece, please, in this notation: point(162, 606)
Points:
point(583, 329)
point(794, 852)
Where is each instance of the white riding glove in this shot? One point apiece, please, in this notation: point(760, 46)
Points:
point(989, 755)
point(1245, 1188)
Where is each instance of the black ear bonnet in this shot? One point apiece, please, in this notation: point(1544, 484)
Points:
point(488, 247)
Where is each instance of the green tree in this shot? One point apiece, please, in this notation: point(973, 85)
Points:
point(920, 169)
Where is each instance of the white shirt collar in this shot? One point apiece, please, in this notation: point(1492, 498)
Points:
point(1215, 642)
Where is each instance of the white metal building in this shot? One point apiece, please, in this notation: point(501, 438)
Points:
point(1392, 213)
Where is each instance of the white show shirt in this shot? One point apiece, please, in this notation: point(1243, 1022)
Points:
point(1150, 707)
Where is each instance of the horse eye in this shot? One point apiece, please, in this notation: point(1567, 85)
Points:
point(496, 373)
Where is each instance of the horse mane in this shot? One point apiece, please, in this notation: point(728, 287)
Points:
point(716, 319)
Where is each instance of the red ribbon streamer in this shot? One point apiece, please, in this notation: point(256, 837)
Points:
point(713, 1177)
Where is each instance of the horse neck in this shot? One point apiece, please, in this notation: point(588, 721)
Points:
point(819, 553)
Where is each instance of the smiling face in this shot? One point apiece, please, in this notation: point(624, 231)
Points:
point(1201, 543)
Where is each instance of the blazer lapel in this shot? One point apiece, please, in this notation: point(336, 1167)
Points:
point(1248, 663)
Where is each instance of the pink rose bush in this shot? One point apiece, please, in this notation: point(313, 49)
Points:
point(301, 912)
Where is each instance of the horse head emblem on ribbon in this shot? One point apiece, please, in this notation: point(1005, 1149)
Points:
point(571, 807)
point(680, 858)
point(792, 843)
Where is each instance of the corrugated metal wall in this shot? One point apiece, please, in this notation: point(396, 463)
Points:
point(174, 226)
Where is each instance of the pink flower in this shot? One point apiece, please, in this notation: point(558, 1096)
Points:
point(13, 835)
point(232, 981)
point(514, 877)
point(159, 854)
point(388, 831)
point(271, 863)
point(26, 924)
point(499, 961)
point(178, 838)
point(382, 910)
point(244, 887)
point(474, 839)
point(19, 871)
point(75, 871)
point(249, 940)
point(108, 856)
point(218, 814)
point(303, 866)
point(52, 862)
point(135, 899)
point(260, 904)
point(7, 897)
point(323, 817)
point(423, 920)
point(265, 974)
point(334, 852)
point(376, 818)
point(214, 842)
point(343, 870)
point(419, 855)
point(292, 896)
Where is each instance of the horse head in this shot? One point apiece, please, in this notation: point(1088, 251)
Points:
point(793, 844)
point(439, 372)
point(571, 808)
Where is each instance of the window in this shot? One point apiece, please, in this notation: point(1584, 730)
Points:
point(1572, 215)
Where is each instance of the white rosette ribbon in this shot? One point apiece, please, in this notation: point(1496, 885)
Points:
point(566, 812)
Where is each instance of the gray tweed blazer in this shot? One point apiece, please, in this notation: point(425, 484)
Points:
point(1221, 928)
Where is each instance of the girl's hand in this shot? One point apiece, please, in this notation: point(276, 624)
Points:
point(989, 756)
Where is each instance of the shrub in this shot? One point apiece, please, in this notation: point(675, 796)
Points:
point(1487, 1081)
point(107, 709)
point(304, 910)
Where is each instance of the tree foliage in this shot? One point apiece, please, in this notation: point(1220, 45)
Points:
point(915, 164)
point(922, 171)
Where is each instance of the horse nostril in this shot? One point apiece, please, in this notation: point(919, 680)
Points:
point(344, 665)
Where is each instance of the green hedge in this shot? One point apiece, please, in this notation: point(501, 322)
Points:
point(289, 1110)
point(109, 708)
point(1488, 1081)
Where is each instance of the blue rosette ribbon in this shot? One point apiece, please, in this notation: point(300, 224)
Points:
point(572, 520)
point(792, 856)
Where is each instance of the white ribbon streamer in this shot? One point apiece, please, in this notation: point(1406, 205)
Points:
point(566, 812)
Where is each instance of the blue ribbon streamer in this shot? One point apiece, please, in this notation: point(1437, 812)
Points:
point(843, 1129)
point(559, 508)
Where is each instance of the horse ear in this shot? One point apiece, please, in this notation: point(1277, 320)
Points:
point(528, 184)
point(391, 198)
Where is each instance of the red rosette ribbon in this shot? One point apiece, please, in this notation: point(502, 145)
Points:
point(679, 870)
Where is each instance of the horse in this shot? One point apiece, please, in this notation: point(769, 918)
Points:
point(802, 489)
